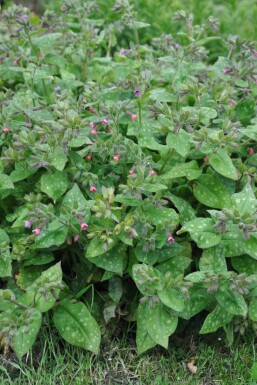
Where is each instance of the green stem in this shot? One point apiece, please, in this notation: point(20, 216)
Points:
point(140, 113)
point(166, 160)
point(137, 43)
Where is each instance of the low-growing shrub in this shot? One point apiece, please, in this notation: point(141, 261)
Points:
point(127, 178)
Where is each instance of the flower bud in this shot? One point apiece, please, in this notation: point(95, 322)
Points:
point(83, 226)
point(37, 231)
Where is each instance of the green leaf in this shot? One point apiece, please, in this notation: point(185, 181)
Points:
point(46, 41)
point(5, 256)
point(213, 261)
point(128, 200)
point(245, 201)
point(190, 170)
point(147, 279)
point(161, 95)
point(232, 244)
point(157, 216)
point(6, 185)
point(154, 187)
point(143, 339)
point(253, 310)
point(74, 197)
point(175, 266)
point(234, 303)
point(77, 326)
point(251, 247)
point(172, 298)
point(202, 232)
point(97, 248)
point(58, 158)
point(149, 257)
point(196, 277)
point(186, 212)
point(254, 372)
point(54, 185)
point(160, 324)
point(44, 301)
point(112, 260)
point(209, 191)
point(26, 335)
point(216, 319)
point(245, 110)
point(54, 235)
point(222, 163)
point(244, 264)
point(179, 142)
point(115, 289)
point(198, 301)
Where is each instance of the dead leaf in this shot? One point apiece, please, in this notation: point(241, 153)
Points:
point(191, 366)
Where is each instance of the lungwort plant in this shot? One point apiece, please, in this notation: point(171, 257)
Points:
point(127, 178)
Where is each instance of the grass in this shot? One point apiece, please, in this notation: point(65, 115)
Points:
point(53, 363)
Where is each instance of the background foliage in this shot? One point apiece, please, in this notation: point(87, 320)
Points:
point(127, 175)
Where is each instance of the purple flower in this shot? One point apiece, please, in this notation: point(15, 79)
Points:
point(27, 224)
point(104, 121)
point(137, 93)
point(123, 52)
point(176, 46)
point(255, 53)
point(225, 71)
point(57, 89)
point(245, 91)
point(170, 239)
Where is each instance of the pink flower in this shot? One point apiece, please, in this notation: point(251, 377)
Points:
point(225, 72)
point(116, 158)
point(91, 109)
point(92, 189)
point(6, 130)
point(76, 238)
point(255, 53)
point(91, 52)
point(206, 158)
point(27, 224)
point(84, 100)
point(15, 62)
point(28, 124)
point(170, 239)
point(131, 172)
point(94, 131)
point(152, 173)
point(250, 150)
point(92, 124)
point(133, 117)
point(57, 89)
point(89, 157)
point(104, 121)
point(83, 226)
point(37, 231)
point(245, 91)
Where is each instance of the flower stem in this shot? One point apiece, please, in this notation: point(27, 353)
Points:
point(166, 160)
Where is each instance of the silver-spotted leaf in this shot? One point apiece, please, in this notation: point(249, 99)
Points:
point(76, 325)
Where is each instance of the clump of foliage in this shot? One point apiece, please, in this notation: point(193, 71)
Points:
point(127, 178)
